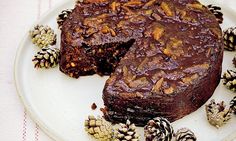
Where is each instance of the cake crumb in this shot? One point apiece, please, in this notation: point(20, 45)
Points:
point(94, 106)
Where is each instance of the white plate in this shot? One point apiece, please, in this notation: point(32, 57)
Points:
point(60, 104)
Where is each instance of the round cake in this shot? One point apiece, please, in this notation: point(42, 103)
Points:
point(163, 56)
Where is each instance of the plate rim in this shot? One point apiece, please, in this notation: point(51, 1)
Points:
point(19, 90)
point(27, 106)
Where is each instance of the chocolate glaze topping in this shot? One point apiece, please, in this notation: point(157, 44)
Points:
point(164, 56)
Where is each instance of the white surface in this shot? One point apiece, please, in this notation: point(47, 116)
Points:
point(16, 18)
point(60, 104)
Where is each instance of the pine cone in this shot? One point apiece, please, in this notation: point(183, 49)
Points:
point(185, 134)
point(98, 128)
point(233, 105)
point(78, 1)
point(229, 36)
point(126, 132)
point(46, 58)
point(217, 114)
point(158, 129)
point(216, 10)
point(62, 17)
point(229, 79)
point(234, 61)
point(42, 36)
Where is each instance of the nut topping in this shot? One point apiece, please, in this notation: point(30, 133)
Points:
point(182, 13)
point(157, 86)
point(149, 3)
point(141, 82)
point(94, 21)
point(113, 33)
point(174, 48)
point(68, 38)
point(128, 11)
point(78, 30)
point(165, 7)
point(157, 33)
point(114, 6)
point(130, 95)
point(102, 16)
point(189, 80)
point(185, 17)
point(208, 52)
point(197, 68)
point(141, 66)
point(135, 3)
point(111, 80)
point(169, 90)
point(195, 6)
point(156, 16)
point(157, 76)
point(91, 22)
point(91, 31)
point(121, 24)
point(72, 64)
point(125, 71)
point(95, 1)
point(137, 19)
point(128, 75)
point(148, 12)
point(105, 29)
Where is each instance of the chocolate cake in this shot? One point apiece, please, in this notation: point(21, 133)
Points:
point(163, 56)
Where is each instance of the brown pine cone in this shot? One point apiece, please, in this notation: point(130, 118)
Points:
point(217, 114)
point(229, 79)
point(98, 128)
point(158, 129)
point(62, 17)
point(43, 36)
point(233, 105)
point(46, 58)
point(126, 132)
point(185, 134)
point(229, 36)
point(234, 61)
point(216, 10)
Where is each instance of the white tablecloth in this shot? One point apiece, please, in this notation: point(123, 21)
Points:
point(16, 16)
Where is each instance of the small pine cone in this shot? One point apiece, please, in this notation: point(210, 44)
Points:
point(185, 134)
point(233, 105)
point(126, 132)
point(62, 17)
point(46, 58)
point(98, 128)
point(216, 10)
point(158, 129)
point(229, 36)
point(43, 36)
point(78, 1)
point(234, 61)
point(229, 79)
point(217, 114)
